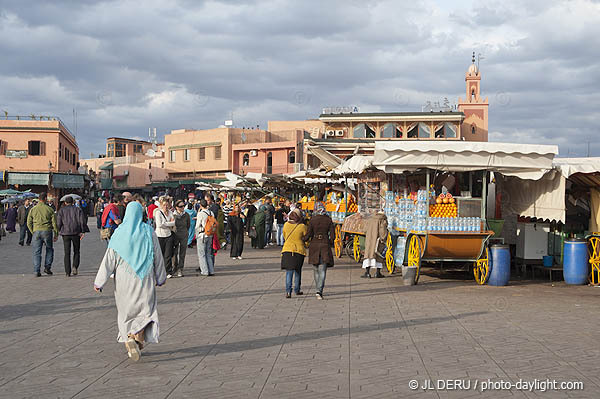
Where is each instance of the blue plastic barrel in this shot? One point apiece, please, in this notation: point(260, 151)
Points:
point(500, 265)
point(575, 262)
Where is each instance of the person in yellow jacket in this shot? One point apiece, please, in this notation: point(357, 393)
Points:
point(293, 252)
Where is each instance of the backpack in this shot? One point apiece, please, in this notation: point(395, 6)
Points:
point(211, 225)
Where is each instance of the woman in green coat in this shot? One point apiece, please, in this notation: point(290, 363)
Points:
point(259, 225)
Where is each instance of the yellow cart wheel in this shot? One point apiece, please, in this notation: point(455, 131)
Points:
point(414, 254)
point(594, 252)
point(337, 244)
point(481, 268)
point(356, 248)
point(389, 255)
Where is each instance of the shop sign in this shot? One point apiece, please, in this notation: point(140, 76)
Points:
point(341, 110)
point(16, 153)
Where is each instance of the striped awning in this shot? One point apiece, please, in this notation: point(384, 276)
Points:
point(28, 179)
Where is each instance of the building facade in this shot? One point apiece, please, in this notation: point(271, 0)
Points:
point(39, 154)
point(128, 165)
point(337, 135)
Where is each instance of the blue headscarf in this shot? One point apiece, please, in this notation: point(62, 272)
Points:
point(132, 240)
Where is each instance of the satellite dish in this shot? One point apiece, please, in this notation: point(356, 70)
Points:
point(154, 146)
point(244, 138)
point(151, 153)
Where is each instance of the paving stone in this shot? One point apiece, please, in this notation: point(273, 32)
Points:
point(234, 335)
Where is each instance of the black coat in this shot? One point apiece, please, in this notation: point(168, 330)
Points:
point(70, 220)
point(321, 233)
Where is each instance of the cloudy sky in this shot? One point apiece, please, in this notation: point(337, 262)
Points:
point(129, 65)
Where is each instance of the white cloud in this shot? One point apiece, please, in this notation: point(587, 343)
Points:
point(190, 64)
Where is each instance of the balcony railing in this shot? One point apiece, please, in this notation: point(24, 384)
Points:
point(275, 170)
point(39, 118)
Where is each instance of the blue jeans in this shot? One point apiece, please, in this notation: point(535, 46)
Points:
point(289, 274)
point(39, 239)
point(206, 256)
point(320, 271)
point(280, 240)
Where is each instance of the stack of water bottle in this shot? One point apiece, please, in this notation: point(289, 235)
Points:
point(406, 214)
point(460, 224)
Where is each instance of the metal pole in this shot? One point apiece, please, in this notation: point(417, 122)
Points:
point(427, 189)
point(484, 197)
point(346, 196)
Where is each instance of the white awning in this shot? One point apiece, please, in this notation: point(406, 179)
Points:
point(354, 165)
point(328, 159)
point(570, 166)
point(525, 161)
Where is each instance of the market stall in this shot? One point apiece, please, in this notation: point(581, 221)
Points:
point(450, 227)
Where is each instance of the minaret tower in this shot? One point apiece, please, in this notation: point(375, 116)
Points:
point(475, 125)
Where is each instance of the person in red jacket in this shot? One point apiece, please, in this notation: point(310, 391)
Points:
point(151, 208)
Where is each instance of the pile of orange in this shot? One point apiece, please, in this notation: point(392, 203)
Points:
point(443, 210)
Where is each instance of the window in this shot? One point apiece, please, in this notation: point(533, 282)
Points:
point(202, 153)
point(137, 148)
point(186, 154)
point(292, 157)
point(413, 133)
point(60, 152)
point(473, 128)
point(110, 152)
point(172, 156)
point(3, 145)
point(119, 150)
point(246, 160)
point(450, 130)
point(270, 162)
point(149, 166)
point(74, 160)
point(218, 152)
point(424, 131)
point(36, 148)
point(162, 165)
point(390, 130)
point(363, 131)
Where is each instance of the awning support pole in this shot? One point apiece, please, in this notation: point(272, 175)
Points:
point(346, 196)
point(427, 182)
point(484, 197)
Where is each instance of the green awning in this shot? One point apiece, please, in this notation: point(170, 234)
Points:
point(165, 184)
point(31, 179)
point(107, 165)
point(105, 184)
point(67, 181)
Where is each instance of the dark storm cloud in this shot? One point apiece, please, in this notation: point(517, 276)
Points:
point(126, 66)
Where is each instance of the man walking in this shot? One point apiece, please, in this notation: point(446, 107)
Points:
point(269, 219)
point(22, 214)
point(72, 225)
point(41, 221)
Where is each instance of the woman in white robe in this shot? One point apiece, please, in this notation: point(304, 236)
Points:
point(135, 258)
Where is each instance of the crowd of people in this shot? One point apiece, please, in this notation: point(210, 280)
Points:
point(147, 244)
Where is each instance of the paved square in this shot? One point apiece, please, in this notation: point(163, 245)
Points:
point(235, 335)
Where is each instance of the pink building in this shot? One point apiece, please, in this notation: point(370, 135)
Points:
point(128, 165)
point(40, 154)
point(281, 155)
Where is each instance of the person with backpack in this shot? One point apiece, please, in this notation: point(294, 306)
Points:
point(206, 228)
